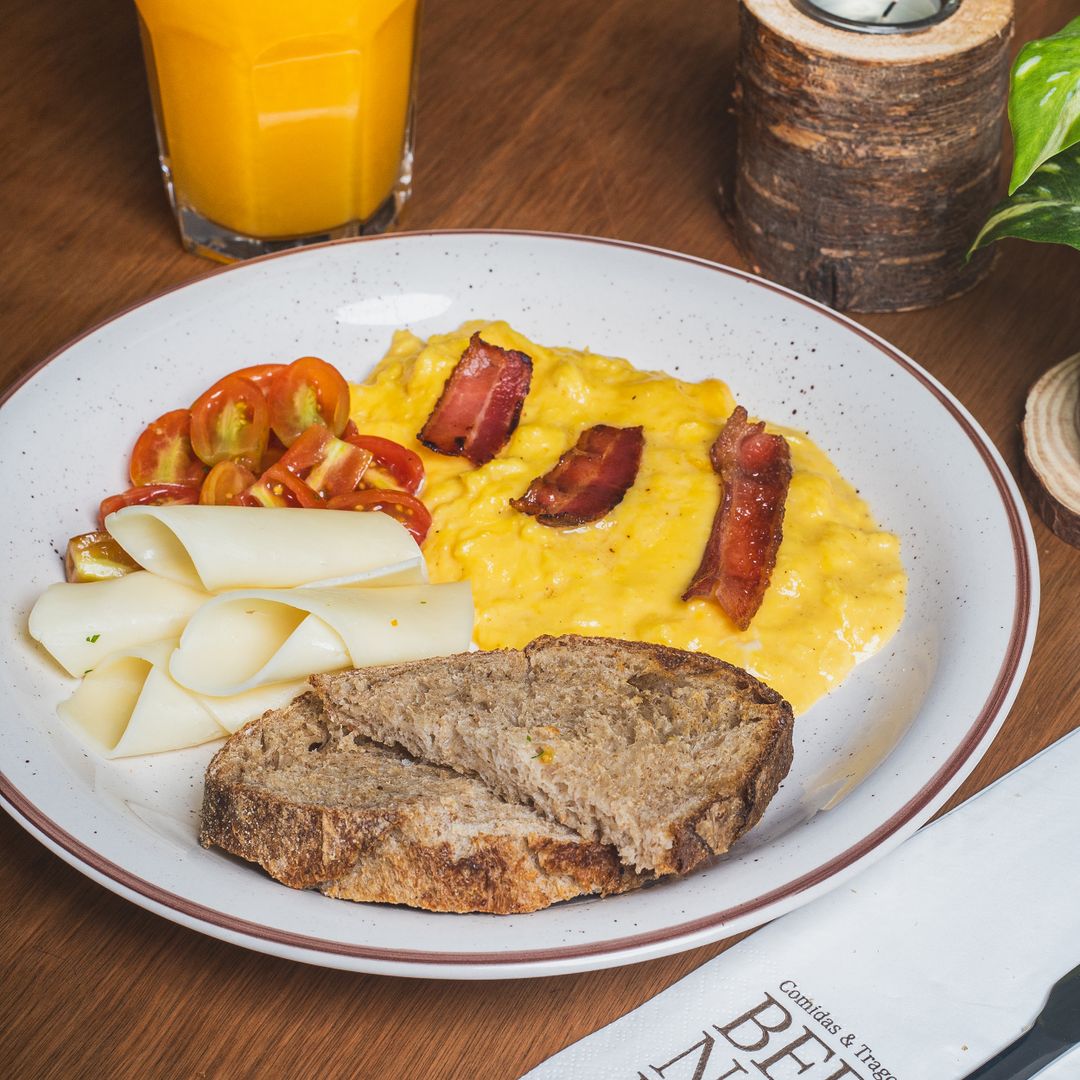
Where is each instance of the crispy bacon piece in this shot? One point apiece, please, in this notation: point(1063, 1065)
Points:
point(481, 402)
point(589, 480)
point(755, 469)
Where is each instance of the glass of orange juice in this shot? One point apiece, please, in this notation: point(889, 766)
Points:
point(281, 122)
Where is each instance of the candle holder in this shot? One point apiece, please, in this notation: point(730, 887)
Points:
point(878, 16)
point(869, 145)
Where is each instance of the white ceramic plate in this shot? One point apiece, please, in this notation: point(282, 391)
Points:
point(872, 761)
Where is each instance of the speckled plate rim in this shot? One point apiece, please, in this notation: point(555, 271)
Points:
point(632, 948)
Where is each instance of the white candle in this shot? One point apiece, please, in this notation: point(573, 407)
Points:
point(876, 16)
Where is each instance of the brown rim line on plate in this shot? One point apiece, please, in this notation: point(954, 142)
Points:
point(943, 782)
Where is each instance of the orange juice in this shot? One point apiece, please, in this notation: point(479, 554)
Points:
point(282, 118)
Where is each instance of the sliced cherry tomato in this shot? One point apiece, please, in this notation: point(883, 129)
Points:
point(279, 487)
point(261, 374)
point(402, 506)
point(342, 468)
point(224, 484)
point(308, 391)
point(307, 449)
point(259, 494)
point(329, 466)
point(96, 556)
point(403, 467)
point(148, 495)
point(231, 422)
point(272, 454)
point(163, 453)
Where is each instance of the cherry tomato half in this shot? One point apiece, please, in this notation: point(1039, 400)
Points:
point(261, 374)
point(224, 483)
point(400, 505)
point(272, 454)
point(328, 465)
point(280, 487)
point(405, 469)
point(148, 495)
point(163, 453)
point(96, 556)
point(308, 391)
point(261, 495)
point(231, 422)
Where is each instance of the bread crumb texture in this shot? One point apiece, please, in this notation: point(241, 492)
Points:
point(666, 755)
point(318, 805)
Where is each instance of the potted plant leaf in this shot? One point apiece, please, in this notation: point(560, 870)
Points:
point(1043, 204)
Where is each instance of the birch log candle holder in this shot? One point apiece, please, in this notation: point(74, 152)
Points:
point(869, 145)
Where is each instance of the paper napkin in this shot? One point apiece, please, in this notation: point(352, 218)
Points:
point(921, 968)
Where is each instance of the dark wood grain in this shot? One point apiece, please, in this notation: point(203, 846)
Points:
point(606, 118)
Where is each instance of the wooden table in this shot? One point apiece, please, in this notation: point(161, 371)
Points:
point(607, 118)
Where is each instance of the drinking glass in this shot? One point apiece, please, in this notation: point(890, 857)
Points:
point(281, 122)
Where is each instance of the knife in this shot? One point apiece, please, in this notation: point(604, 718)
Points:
point(1055, 1029)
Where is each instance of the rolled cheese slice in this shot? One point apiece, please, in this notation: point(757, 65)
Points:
point(233, 712)
point(254, 637)
point(231, 547)
point(129, 705)
point(83, 623)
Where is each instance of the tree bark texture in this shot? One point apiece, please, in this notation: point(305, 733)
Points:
point(862, 179)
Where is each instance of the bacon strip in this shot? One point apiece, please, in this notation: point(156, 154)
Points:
point(755, 469)
point(589, 480)
point(480, 404)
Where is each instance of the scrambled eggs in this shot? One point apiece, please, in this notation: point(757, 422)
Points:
point(837, 593)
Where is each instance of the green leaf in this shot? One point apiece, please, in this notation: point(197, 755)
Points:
point(1044, 100)
point(1046, 208)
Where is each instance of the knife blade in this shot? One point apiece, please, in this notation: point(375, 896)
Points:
point(1055, 1029)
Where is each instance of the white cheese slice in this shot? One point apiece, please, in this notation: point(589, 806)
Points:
point(253, 637)
point(83, 623)
point(234, 711)
point(129, 705)
point(230, 547)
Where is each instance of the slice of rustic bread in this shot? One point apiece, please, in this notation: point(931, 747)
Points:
point(667, 755)
point(318, 805)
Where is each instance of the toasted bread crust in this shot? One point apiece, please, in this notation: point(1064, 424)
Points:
point(720, 823)
point(501, 876)
point(390, 852)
